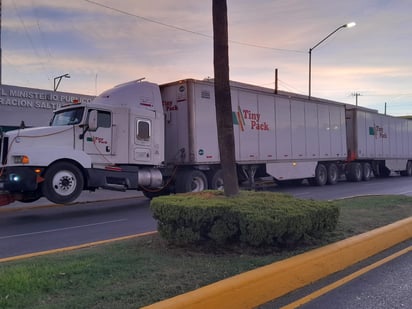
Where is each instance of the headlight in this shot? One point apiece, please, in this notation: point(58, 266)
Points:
point(21, 159)
point(14, 178)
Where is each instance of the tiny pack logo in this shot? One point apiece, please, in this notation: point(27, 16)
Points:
point(242, 117)
point(238, 119)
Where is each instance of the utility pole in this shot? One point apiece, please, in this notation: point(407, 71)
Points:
point(356, 95)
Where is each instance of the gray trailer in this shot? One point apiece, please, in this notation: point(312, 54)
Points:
point(284, 135)
point(379, 142)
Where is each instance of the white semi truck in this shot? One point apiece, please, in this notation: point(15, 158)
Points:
point(163, 139)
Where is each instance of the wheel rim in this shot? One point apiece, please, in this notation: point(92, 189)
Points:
point(322, 174)
point(367, 172)
point(219, 184)
point(333, 174)
point(64, 183)
point(358, 172)
point(197, 184)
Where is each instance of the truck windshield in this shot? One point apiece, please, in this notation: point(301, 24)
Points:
point(68, 117)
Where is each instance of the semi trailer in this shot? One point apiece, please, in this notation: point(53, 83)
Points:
point(163, 139)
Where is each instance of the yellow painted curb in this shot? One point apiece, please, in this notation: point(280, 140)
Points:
point(264, 284)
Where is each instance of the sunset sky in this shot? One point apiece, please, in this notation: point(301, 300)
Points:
point(102, 43)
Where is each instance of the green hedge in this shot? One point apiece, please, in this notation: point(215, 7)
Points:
point(253, 218)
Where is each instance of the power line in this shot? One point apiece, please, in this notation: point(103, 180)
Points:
point(187, 30)
point(29, 37)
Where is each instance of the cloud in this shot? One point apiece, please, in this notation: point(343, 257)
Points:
point(44, 38)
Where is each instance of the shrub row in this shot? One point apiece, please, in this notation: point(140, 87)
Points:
point(252, 218)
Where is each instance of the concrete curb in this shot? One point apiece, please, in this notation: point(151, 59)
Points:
point(267, 283)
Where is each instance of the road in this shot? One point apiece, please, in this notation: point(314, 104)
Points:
point(393, 185)
point(380, 282)
point(389, 286)
point(40, 229)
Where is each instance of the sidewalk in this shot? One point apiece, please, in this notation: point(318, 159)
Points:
point(85, 197)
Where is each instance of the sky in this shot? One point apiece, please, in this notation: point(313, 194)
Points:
point(102, 43)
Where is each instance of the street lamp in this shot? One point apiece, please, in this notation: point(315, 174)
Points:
point(59, 79)
point(349, 25)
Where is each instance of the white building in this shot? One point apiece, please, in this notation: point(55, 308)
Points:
point(32, 106)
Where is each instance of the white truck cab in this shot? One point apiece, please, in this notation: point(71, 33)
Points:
point(114, 142)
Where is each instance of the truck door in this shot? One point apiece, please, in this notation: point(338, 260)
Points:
point(100, 141)
point(142, 140)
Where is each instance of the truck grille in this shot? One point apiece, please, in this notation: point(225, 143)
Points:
point(4, 146)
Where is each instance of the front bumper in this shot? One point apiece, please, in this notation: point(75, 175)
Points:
point(19, 179)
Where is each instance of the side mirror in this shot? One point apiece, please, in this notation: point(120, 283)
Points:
point(92, 121)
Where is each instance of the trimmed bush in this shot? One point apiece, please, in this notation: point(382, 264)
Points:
point(252, 218)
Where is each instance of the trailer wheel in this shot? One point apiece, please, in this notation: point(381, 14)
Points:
point(333, 174)
point(366, 171)
point(191, 181)
point(321, 175)
point(216, 180)
point(408, 171)
point(384, 171)
point(354, 172)
point(63, 183)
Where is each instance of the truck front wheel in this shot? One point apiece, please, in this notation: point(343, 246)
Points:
point(63, 183)
point(191, 181)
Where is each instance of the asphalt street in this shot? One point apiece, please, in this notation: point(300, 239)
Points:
point(105, 214)
point(389, 286)
point(31, 228)
point(40, 229)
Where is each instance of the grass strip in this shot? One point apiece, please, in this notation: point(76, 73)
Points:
point(138, 272)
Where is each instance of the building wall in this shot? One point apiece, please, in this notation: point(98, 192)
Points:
point(33, 106)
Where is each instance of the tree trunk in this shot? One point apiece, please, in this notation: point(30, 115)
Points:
point(222, 98)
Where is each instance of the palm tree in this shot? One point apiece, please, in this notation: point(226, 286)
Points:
point(223, 98)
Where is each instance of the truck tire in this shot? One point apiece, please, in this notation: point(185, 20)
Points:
point(63, 183)
point(153, 194)
point(30, 197)
point(216, 180)
point(321, 176)
point(408, 171)
point(191, 181)
point(354, 172)
point(333, 174)
point(366, 171)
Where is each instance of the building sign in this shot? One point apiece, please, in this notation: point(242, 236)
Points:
point(33, 106)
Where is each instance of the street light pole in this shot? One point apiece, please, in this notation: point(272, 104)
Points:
point(349, 25)
point(59, 79)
